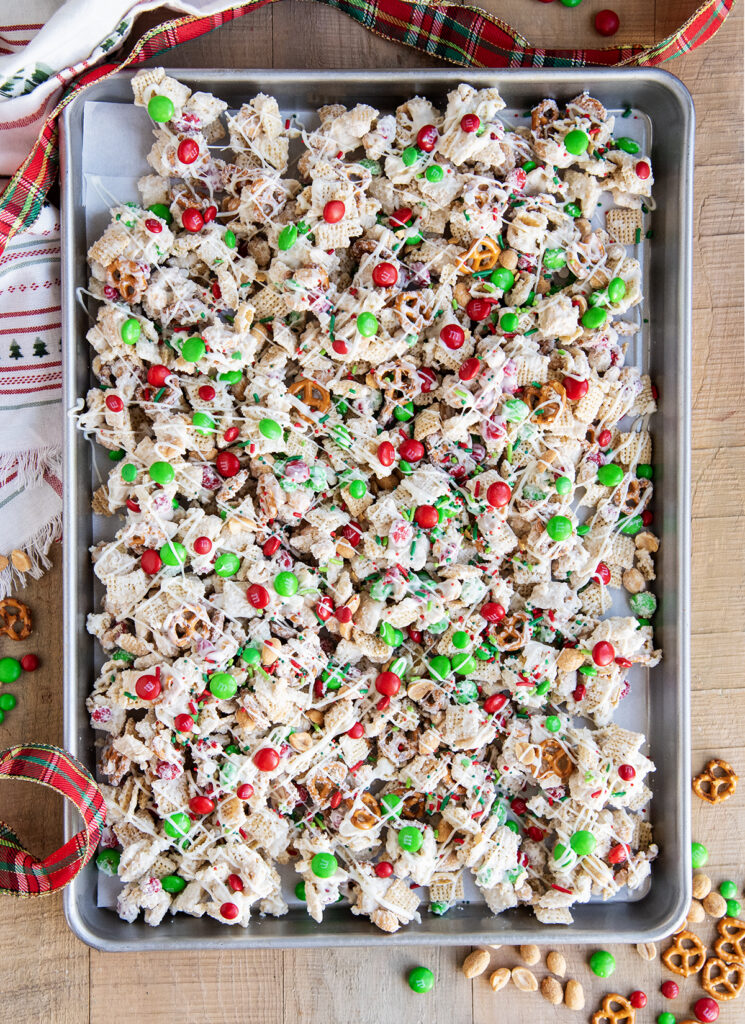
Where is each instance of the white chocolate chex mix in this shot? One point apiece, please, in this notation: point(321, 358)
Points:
point(372, 488)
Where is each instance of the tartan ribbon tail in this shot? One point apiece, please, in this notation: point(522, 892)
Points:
point(21, 874)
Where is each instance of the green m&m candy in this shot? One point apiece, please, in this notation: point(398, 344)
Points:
point(108, 861)
point(728, 889)
point(172, 553)
point(616, 289)
point(358, 489)
point(410, 839)
point(390, 635)
point(410, 156)
point(576, 141)
point(287, 237)
point(162, 211)
point(466, 691)
point(230, 239)
point(367, 324)
point(193, 349)
point(463, 664)
point(644, 604)
point(627, 145)
point(733, 908)
point(508, 323)
point(460, 639)
point(404, 413)
point(644, 471)
point(177, 825)
point(529, 165)
point(440, 667)
point(286, 584)
point(554, 259)
point(117, 454)
point(583, 843)
point(573, 210)
point(602, 963)
point(391, 803)
point(515, 410)
point(699, 855)
point(434, 173)
point(7, 701)
point(583, 529)
point(421, 979)
point(540, 689)
point(203, 423)
point(564, 856)
point(174, 884)
point(553, 723)
point(559, 528)
point(373, 166)
point(300, 891)
point(223, 685)
point(631, 525)
point(130, 331)
point(227, 564)
point(129, 473)
point(324, 865)
point(161, 473)
point(563, 485)
point(610, 475)
point(666, 1017)
point(251, 655)
point(502, 278)
point(594, 318)
point(270, 429)
point(230, 376)
point(160, 109)
point(512, 826)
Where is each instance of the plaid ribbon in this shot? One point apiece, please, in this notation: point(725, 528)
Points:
point(466, 36)
point(20, 873)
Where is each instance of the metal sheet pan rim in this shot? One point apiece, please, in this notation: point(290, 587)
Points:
point(182, 933)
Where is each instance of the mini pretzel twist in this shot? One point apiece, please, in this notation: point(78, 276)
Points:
point(366, 817)
point(398, 383)
point(321, 782)
point(129, 277)
point(510, 634)
point(723, 981)
point(614, 1009)
point(545, 401)
point(687, 954)
point(632, 499)
point(483, 255)
point(554, 760)
point(546, 112)
point(15, 619)
point(187, 624)
point(731, 942)
point(717, 782)
point(414, 806)
point(413, 310)
point(398, 746)
point(311, 394)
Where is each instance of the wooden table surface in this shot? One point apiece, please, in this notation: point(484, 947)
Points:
point(49, 976)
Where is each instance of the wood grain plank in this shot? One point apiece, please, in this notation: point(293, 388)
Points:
point(718, 568)
point(46, 967)
point(718, 482)
point(365, 986)
point(239, 987)
point(716, 662)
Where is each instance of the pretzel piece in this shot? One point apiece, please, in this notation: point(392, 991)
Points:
point(723, 981)
point(687, 954)
point(15, 619)
point(311, 394)
point(614, 1009)
point(483, 255)
point(717, 782)
point(554, 760)
point(545, 401)
point(510, 632)
point(367, 817)
point(730, 946)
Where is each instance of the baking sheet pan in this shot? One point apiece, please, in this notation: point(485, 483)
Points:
point(663, 121)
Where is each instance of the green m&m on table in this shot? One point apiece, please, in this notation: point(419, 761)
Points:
point(602, 963)
point(699, 855)
point(410, 839)
point(324, 865)
point(223, 685)
point(130, 331)
point(10, 670)
point(300, 891)
point(733, 908)
point(161, 109)
point(421, 979)
point(286, 584)
point(728, 889)
point(107, 861)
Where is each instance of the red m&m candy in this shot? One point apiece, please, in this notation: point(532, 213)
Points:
point(643, 170)
point(607, 22)
point(384, 275)
point(399, 218)
point(428, 379)
point(333, 211)
point(227, 464)
point(638, 999)
point(492, 611)
point(426, 516)
point(151, 562)
point(114, 403)
point(469, 368)
point(258, 596)
point(184, 723)
point(452, 336)
point(202, 545)
point(29, 663)
point(229, 911)
point(192, 219)
point(669, 989)
point(494, 703)
point(498, 494)
point(388, 683)
point(206, 392)
point(706, 1010)
point(188, 151)
point(209, 214)
point(271, 546)
point(603, 653)
point(575, 389)
point(602, 573)
point(386, 453)
point(384, 869)
point(470, 123)
point(411, 450)
point(157, 375)
point(426, 138)
point(231, 434)
point(245, 791)
point(478, 309)
point(356, 731)
point(266, 759)
point(201, 805)
point(147, 687)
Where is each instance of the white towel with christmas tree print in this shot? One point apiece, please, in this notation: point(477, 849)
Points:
point(30, 400)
